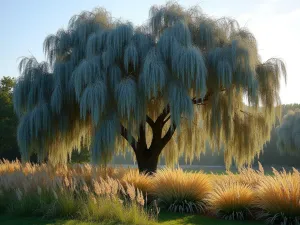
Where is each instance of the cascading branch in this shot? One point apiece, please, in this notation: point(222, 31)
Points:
point(167, 88)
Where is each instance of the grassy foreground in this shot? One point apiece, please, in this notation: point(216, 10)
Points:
point(12, 220)
point(168, 218)
point(124, 196)
point(165, 218)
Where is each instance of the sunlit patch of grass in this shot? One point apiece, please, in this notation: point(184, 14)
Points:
point(278, 198)
point(141, 181)
point(247, 176)
point(250, 176)
point(231, 200)
point(179, 191)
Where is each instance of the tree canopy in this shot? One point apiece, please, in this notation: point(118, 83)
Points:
point(177, 81)
point(289, 133)
point(8, 121)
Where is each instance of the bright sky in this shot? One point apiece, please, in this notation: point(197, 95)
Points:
point(24, 24)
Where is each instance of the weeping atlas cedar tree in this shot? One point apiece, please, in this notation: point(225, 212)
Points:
point(166, 88)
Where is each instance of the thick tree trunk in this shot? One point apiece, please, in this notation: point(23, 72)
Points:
point(147, 160)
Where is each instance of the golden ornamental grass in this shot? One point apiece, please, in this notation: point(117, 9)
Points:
point(231, 200)
point(278, 198)
point(141, 181)
point(180, 191)
point(250, 176)
point(247, 176)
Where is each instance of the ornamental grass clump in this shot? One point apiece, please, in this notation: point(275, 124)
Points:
point(245, 175)
point(180, 191)
point(231, 200)
point(141, 181)
point(251, 177)
point(278, 198)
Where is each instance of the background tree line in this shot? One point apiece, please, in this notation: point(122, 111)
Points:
point(9, 147)
point(8, 121)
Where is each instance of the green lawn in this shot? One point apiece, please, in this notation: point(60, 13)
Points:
point(165, 219)
point(12, 220)
point(177, 219)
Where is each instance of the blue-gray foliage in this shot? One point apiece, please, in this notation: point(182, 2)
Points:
point(93, 101)
point(126, 97)
point(154, 75)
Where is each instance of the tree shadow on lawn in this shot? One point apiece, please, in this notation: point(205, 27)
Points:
point(168, 218)
point(13, 220)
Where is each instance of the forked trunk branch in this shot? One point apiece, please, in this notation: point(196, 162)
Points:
point(147, 158)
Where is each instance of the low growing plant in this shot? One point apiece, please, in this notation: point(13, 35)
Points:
point(231, 200)
point(278, 198)
point(139, 180)
point(179, 191)
point(113, 209)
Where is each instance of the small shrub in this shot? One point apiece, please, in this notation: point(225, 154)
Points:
point(180, 191)
point(278, 198)
point(231, 200)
